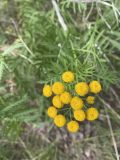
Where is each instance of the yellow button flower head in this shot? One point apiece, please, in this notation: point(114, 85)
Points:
point(79, 115)
point(82, 88)
point(47, 91)
point(65, 97)
point(57, 102)
point(73, 126)
point(92, 114)
point(68, 77)
point(95, 87)
point(90, 99)
point(52, 112)
point(58, 88)
point(76, 103)
point(60, 120)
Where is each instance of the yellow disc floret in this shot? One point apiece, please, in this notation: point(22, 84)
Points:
point(57, 102)
point(92, 114)
point(82, 88)
point(73, 126)
point(60, 120)
point(65, 97)
point(47, 91)
point(52, 112)
point(90, 99)
point(95, 87)
point(76, 103)
point(68, 76)
point(58, 88)
point(79, 115)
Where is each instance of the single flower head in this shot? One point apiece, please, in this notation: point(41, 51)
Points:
point(58, 88)
point(76, 103)
point(92, 114)
point(47, 91)
point(82, 88)
point(90, 100)
point(95, 87)
point(65, 97)
point(60, 120)
point(68, 77)
point(79, 115)
point(57, 102)
point(73, 126)
point(52, 112)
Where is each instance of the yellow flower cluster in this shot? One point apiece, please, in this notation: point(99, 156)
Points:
point(74, 103)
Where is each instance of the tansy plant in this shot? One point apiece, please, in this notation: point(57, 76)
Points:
point(70, 107)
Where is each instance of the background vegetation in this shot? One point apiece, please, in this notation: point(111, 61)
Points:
point(35, 48)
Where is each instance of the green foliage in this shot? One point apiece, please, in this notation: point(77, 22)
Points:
point(35, 50)
point(55, 52)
